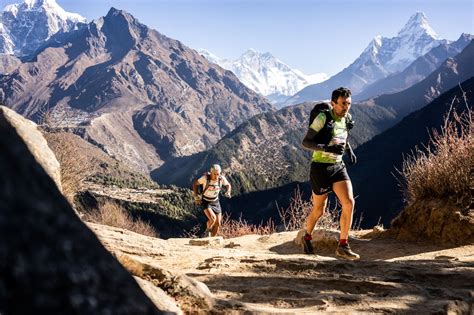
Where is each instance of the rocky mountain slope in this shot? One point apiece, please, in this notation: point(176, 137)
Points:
point(265, 152)
point(139, 95)
point(272, 140)
point(8, 63)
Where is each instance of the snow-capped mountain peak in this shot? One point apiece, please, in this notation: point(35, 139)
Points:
point(210, 56)
point(394, 54)
point(266, 74)
point(41, 3)
point(382, 57)
point(27, 25)
point(374, 46)
point(49, 6)
point(417, 24)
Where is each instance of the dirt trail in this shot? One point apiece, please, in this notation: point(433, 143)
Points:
point(269, 274)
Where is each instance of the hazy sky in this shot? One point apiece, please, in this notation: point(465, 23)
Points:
point(312, 36)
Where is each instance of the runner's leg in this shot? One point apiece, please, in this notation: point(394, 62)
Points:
point(211, 218)
point(216, 226)
point(319, 205)
point(343, 191)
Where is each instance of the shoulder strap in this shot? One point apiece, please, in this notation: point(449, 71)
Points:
point(208, 179)
point(349, 122)
point(329, 117)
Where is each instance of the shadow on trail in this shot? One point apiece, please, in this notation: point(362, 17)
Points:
point(381, 248)
point(424, 286)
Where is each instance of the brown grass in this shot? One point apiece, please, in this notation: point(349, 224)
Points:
point(443, 169)
point(76, 166)
point(293, 217)
point(233, 228)
point(112, 214)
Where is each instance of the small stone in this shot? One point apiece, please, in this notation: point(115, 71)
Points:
point(216, 240)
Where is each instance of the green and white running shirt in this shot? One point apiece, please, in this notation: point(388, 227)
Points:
point(339, 136)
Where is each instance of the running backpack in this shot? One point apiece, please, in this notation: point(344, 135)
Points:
point(208, 179)
point(324, 136)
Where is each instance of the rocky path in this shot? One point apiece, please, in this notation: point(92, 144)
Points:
point(269, 273)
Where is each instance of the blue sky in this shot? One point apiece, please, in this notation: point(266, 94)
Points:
point(312, 36)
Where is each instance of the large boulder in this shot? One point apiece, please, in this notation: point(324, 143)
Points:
point(439, 221)
point(322, 238)
point(50, 262)
point(36, 143)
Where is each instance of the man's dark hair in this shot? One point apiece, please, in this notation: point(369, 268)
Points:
point(342, 91)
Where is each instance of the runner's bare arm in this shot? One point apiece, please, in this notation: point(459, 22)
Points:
point(228, 189)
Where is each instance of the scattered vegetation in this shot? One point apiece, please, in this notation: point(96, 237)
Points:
point(122, 179)
point(110, 213)
point(437, 182)
point(233, 228)
point(178, 204)
point(82, 164)
point(293, 217)
point(444, 168)
point(75, 168)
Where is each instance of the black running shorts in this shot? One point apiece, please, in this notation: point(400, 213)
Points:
point(323, 175)
point(213, 205)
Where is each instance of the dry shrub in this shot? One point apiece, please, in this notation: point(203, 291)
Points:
point(233, 228)
point(294, 216)
point(75, 165)
point(110, 213)
point(444, 168)
point(193, 232)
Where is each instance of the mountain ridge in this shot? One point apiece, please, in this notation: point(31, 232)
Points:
point(266, 74)
point(417, 71)
point(383, 56)
point(156, 86)
point(269, 144)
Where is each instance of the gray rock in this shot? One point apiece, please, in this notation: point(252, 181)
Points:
point(159, 297)
point(216, 240)
point(321, 238)
point(50, 262)
point(36, 143)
